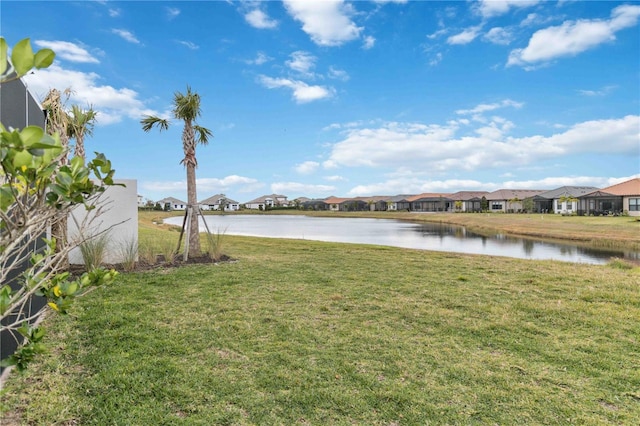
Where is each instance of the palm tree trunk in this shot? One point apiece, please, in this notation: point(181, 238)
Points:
point(192, 201)
point(189, 146)
point(79, 151)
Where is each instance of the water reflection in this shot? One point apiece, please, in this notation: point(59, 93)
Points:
point(429, 236)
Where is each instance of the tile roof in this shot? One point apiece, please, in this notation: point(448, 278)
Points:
point(511, 194)
point(468, 195)
point(214, 199)
point(630, 187)
point(573, 191)
point(172, 200)
point(428, 195)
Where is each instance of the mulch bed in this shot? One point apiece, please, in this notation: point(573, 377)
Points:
point(142, 265)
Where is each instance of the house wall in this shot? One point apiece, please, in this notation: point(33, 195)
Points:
point(560, 207)
point(626, 205)
point(120, 218)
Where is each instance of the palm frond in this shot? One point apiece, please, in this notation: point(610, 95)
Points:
point(149, 122)
point(186, 106)
point(202, 134)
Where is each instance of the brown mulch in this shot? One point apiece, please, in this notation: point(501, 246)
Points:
point(142, 265)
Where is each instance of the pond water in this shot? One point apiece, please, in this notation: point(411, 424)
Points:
point(397, 233)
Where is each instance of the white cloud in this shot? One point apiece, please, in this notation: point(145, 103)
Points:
point(573, 37)
point(498, 35)
point(466, 36)
point(126, 35)
point(206, 185)
point(335, 178)
point(368, 42)
point(307, 167)
point(415, 185)
point(338, 74)
point(491, 8)
point(490, 107)
point(258, 19)
point(435, 60)
point(600, 92)
point(301, 188)
point(172, 12)
point(302, 92)
point(261, 58)
point(302, 62)
point(67, 50)
point(114, 12)
point(411, 145)
point(189, 44)
point(437, 34)
point(327, 22)
point(111, 104)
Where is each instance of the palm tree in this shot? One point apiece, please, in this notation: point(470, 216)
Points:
point(186, 107)
point(57, 121)
point(80, 124)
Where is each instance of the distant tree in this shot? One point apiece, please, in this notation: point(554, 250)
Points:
point(80, 124)
point(186, 107)
point(528, 205)
point(484, 204)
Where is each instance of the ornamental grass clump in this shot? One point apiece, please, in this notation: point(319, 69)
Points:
point(215, 244)
point(94, 251)
point(128, 250)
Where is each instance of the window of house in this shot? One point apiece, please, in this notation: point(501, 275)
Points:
point(569, 205)
point(634, 204)
point(496, 205)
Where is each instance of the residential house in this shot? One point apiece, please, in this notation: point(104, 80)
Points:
point(171, 203)
point(510, 200)
point(300, 201)
point(346, 204)
point(430, 202)
point(614, 199)
point(563, 200)
point(267, 201)
point(375, 203)
point(219, 202)
point(398, 202)
point(467, 201)
point(315, 204)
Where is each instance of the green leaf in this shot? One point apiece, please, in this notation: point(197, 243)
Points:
point(3, 56)
point(6, 198)
point(22, 57)
point(31, 135)
point(44, 58)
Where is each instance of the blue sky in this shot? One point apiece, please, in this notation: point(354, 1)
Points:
point(319, 98)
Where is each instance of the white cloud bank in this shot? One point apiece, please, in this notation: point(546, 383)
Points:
point(309, 190)
point(412, 145)
point(69, 51)
point(491, 8)
point(327, 22)
point(258, 19)
point(206, 185)
point(301, 91)
point(111, 104)
point(573, 37)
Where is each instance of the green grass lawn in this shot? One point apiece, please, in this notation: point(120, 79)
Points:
point(300, 332)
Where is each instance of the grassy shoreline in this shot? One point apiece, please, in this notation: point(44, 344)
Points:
point(310, 333)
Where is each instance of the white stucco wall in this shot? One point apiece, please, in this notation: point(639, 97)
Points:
point(119, 207)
